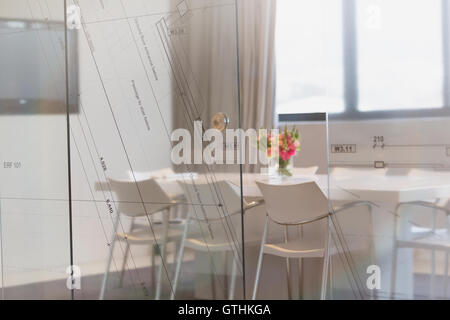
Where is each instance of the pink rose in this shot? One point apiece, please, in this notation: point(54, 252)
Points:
point(284, 155)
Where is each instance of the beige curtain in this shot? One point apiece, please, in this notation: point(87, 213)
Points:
point(256, 28)
point(209, 56)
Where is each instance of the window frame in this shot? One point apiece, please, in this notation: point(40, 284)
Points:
point(350, 67)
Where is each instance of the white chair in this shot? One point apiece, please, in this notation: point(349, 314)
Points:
point(141, 199)
point(295, 205)
point(145, 175)
point(422, 233)
point(305, 171)
point(216, 208)
point(173, 189)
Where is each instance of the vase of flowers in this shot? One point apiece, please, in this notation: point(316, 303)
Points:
point(288, 143)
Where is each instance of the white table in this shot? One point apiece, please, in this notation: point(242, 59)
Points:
point(386, 189)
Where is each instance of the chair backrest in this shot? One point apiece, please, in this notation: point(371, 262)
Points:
point(428, 217)
point(157, 174)
point(215, 200)
point(214, 206)
point(130, 199)
point(294, 203)
point(305, 171)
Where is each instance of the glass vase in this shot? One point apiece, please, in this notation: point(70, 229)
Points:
point(285, 167)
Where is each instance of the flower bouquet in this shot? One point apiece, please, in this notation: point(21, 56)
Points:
point(288, 144)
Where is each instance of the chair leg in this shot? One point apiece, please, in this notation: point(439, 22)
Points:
point(154, 248)
point(213, 284)
point(373, 293)
point(163, 249)
point(233, 279)
point(125, 258)
point(433, 274)
point(300, 275)
point(446, 274)
point(159, 277)
point(258, 274)
point(288, 273)
point(260, 259)
point(226, 283)
point(110, 256)
point(175, 255)
point(323, 290)
point(124, 264)
point(180, 259)
point(326, 258)
point(330, 270)
point(394, 271)
point(394, 255)
point(288, 278)
point(300, 266)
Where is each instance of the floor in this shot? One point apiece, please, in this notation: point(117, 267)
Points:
point(139, 283)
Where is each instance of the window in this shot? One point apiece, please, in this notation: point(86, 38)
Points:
point(362, 58)
point(309, 56)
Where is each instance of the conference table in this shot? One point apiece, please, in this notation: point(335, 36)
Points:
point(376, 188)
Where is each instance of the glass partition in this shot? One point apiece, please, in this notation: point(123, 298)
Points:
point(34, 191)
point(138, 195)
point(389, 162)
point(157, 213)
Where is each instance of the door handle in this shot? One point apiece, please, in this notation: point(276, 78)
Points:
point(220, 121)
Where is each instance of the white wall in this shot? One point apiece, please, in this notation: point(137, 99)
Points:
point(408, 143)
